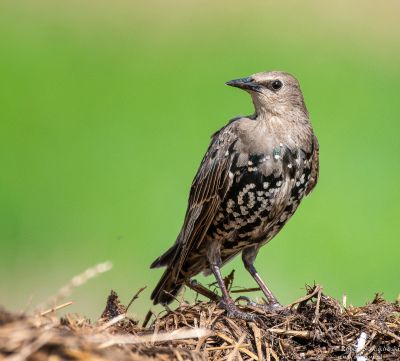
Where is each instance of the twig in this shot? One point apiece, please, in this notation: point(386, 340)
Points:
point(257, 339)
point(50, 310)
point(135, 297)
point(197, 287)
point(384, 332)
point(110, 340)
point(112, 322)
point(378, 329)
point(281, 348)
point(77, 281)
point(178, 355)
point(316, 318)
point(301, 334)
point(316, 289)
point(236, 348)
point(30, 348)
point(244, 290)
point(226, 347)
point(200, 343)
point(233, 342)
point(269, 352)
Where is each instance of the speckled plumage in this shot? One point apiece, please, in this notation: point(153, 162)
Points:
point(252, 178)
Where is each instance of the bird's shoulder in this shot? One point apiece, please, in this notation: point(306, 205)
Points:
point(222, 145)
point(231, 125)
point(214, 167)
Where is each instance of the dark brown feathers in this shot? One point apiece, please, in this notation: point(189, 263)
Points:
point(208, 189)
point(255, 173)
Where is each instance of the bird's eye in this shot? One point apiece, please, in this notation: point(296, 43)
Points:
point(276, 84)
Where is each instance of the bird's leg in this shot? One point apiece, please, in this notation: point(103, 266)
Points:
point(214, 259)
point(248, 257)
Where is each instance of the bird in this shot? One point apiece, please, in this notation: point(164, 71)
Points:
point(253, 176)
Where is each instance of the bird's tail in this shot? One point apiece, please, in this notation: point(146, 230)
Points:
point(166, 258)
point(171, 281)
point(168, 287)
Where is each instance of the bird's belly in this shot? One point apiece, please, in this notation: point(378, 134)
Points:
point(255, 209)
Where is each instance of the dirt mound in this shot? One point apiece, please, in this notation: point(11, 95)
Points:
point(316, 327)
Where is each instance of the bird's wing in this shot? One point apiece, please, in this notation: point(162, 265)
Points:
point(314, 167)
point(209, 188)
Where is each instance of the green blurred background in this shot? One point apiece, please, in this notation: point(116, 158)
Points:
point(106, 110)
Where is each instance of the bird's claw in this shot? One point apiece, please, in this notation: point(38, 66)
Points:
point(271, 307)
point(275, 307)
point(244, 298)
point(233, 311)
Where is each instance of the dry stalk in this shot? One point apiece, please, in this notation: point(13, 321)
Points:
point(202, 331)
point(75, 282)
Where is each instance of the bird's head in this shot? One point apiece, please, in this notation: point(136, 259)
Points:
point(273, 92)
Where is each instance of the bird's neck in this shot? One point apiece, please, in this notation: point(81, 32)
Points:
point(264, 111)
point(291, 128)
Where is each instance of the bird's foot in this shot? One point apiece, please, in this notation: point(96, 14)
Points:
point(274, 307)
point(271, 307)
point(233, 311)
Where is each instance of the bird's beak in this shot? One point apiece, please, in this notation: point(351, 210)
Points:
point(245, 83)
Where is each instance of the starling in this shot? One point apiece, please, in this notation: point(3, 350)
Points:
point(251, 180)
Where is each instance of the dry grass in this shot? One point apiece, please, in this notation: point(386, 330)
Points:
point(316, 327)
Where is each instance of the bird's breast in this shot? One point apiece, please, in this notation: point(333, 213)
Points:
point(266, 134)
point(265, 192)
